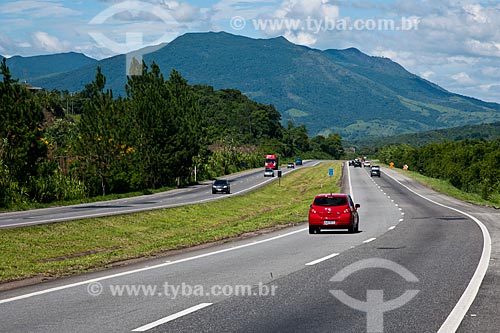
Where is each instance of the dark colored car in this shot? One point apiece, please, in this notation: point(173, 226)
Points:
point(290, 165)
point(298, 161)
point(375, 171)
point(333, 211)
point(268, 173)
point(221, 186)
point(351, 162)
point(357, 164)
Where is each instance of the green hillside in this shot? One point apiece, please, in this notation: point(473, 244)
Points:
point(468, 132)
point(30, 69)
point(333, 91)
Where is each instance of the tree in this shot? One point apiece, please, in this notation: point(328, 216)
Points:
point(100, 131)
point(20, 130)
point(187, 126)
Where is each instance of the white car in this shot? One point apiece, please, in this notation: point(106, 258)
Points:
point(367, 164)
point(269, 173)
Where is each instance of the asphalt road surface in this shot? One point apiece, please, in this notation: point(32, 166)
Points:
point(240, 183)
point(418, 254)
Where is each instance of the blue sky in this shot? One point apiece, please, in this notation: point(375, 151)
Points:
point(455, 44)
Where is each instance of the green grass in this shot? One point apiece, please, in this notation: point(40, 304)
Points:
point(64, 249)
point(445, 187)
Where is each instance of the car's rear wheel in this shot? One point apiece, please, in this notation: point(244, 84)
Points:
point(314, 230)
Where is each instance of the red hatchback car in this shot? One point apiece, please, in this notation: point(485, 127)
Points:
point(333, 211)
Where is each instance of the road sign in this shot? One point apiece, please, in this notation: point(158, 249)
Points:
point(330, 172)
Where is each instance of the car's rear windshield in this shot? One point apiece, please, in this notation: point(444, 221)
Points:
point(220, 182)
point(330, 201)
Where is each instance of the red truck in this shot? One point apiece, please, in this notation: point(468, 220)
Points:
point(271, 162)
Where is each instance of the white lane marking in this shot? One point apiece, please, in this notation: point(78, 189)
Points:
point(171, 317)
point(401, 220)
point(392, 228)
point(350, 183)
point(458, 313)
point(322, 259)
point(107, 277)
point(129, 211)
point(369, 240)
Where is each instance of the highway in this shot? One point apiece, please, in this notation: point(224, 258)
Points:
point(240, 183)
point(415, 266)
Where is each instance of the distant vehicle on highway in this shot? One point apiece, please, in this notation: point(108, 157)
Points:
point(333, 211)
point(375, 171)
point(367, 164)
point(291, 165)
point(298, 161)
point(357, 163)
point(271, 162)
point(268, 173)
point(221, 186)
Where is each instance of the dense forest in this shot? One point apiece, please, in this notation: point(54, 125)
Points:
point(488, 131)
point(57, 146)
point(470, 165)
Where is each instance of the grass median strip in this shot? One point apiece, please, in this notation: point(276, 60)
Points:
point(68, 248)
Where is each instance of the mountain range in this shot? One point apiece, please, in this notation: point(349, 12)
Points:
point(32, 69)
point(328, 91)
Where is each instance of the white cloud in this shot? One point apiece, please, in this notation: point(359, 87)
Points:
point(46, 43)
point(301, 38)
point(462, 78)
point(427, 75)
point(483, 48)
point(403, 58)
point(303, 21)
point(36, 9)
point(476, 14)
point(183, 11)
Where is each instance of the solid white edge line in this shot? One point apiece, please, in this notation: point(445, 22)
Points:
point(171, 317)
point(369, 240)
point(350, 183)
point(107, 277)
point(458, 313)
point(129, 211)
point(322, 259)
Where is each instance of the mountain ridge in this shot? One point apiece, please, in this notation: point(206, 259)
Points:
point(32, 68)
point(330, 91)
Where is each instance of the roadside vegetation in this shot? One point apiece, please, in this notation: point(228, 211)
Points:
point(444, 186)
point(60, 146)
point(467, 169)
point(64, 249)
